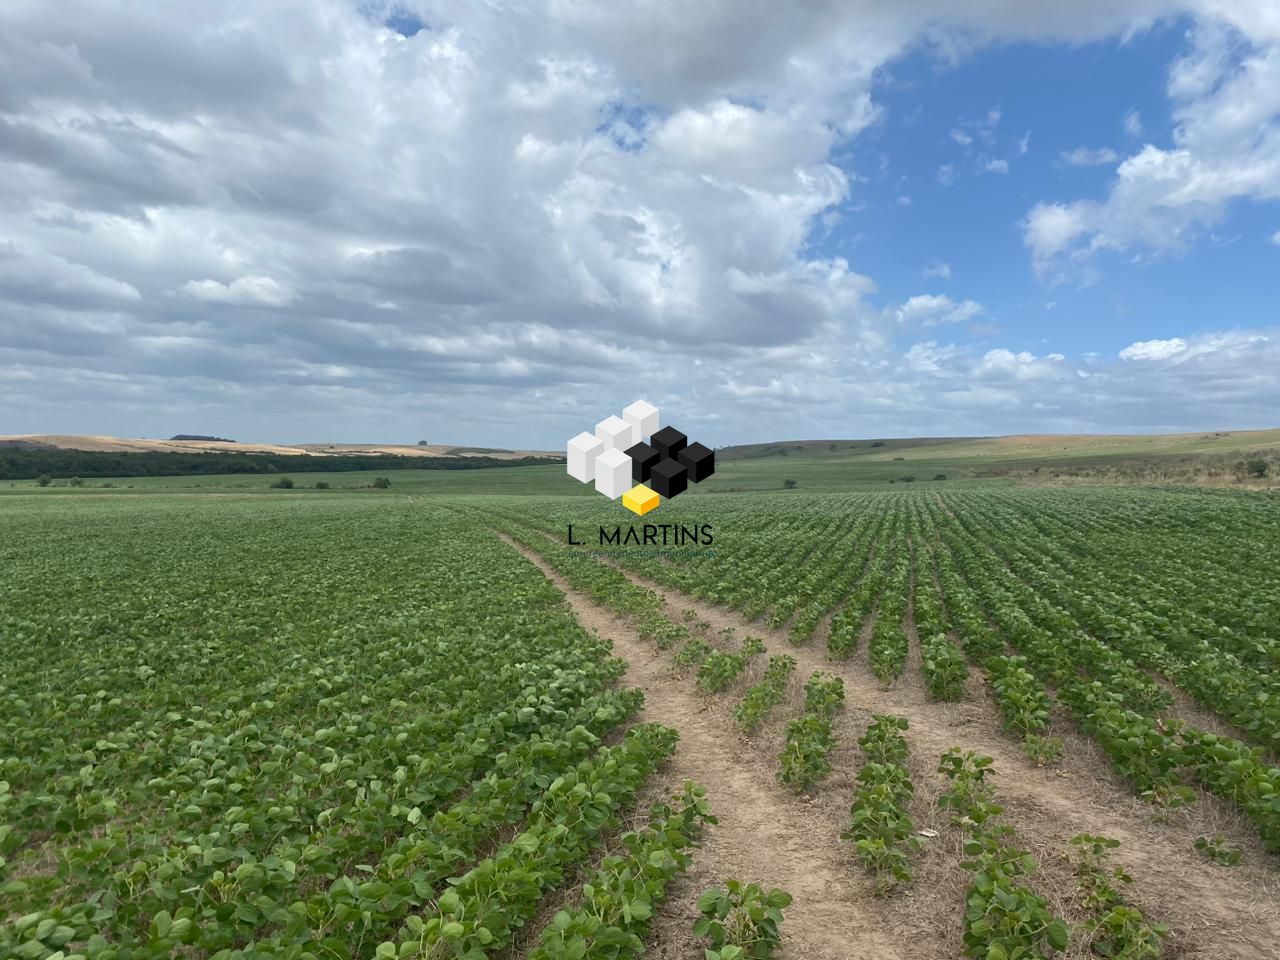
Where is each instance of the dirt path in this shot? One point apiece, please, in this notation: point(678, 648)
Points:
point(765, 834)
point(1215, 912)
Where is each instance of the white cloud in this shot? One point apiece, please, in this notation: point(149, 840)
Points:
point(35, 277)
point(1004, 385)
point(996, 166)
point(1024, 144)
point(1154, 349)
point(929, 357)
point(933, 309)
point(526, 207)
point(968, 130)
point(1133, 124)
point(242, 290)
point(1084, 157)
point(1275, 238)
point(904, 200)
point(1226, 146)
point(939, 269)
point(1050, 229)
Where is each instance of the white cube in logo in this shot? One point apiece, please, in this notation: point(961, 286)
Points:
point(582, 453)
point(643, 417)
point(616, 434)
point(613, 473)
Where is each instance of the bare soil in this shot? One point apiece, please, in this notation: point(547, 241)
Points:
point(766, 834)
point(1214, 912)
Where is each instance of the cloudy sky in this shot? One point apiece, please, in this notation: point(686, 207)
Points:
point(499, 222)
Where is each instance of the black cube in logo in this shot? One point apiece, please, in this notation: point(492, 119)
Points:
point(669, 478)
point(668, 442)
point(643, 459)
point(699, 461)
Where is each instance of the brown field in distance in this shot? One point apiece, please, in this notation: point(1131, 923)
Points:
point(123, 445)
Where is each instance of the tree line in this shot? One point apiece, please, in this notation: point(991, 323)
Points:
point(29, 464)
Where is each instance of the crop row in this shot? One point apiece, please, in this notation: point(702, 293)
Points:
point(804, 760)
point(1003, 917)
point(882, 832)
point(617, 903)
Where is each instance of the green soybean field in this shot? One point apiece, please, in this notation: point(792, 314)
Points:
point(968, 720)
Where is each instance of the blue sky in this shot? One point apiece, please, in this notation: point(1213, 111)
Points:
point(1060, 98)
point(494, 223)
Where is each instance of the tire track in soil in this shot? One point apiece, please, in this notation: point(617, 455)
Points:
point(1215, 912)
point(765, 834)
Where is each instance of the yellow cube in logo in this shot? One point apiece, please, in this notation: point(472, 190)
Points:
point(640, 499)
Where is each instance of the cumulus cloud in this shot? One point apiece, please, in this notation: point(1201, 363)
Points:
point(1084, 157)
point(934, 309)
point(280, 217)
point(996, 165)
point(1225, 92)
point(939, 269)
point(1050, 229)
point(1154, 349)
point(1155, 392)
point(929, 357)
point(242, 290)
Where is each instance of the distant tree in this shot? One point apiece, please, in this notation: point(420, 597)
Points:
point(284, 483)
point(940, 476)
point(381, 483)
point(878, 443)
point(76, 482)
point(44, 480)
point(422, 443)
point(1238, 469)
point(789, 484)
point(833, 447)
point(321, 485)
point(908, 479)
point(1257, 467)
point(899, 458)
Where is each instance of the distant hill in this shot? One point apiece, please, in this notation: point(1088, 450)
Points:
point(188, 443)
point(1220, 458)
point(1018, 447)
